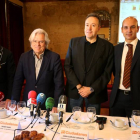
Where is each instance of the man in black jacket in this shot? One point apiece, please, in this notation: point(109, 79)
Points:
point(41, 68)
point(125, 94)
point(88, 66)
point(7, 71)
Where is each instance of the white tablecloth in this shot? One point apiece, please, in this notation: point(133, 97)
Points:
point(108, 133)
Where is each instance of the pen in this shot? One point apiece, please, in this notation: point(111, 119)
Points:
point(69, 118)
point(15, 114)
point(129, 122)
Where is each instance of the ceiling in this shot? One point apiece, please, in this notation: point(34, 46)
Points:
point(47, 0)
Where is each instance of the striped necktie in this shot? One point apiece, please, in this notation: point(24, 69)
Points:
point(127, 67)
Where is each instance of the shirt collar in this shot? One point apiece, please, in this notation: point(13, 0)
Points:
point(41, 55)
point(89, 42)
point(134, 42)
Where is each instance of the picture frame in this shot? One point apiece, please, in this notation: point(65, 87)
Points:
point(101, 36)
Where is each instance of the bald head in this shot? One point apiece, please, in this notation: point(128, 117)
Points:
point(130, 19)
point(129, 29)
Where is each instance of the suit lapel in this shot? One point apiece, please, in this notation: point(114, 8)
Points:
point(31, 65)
point(98, 51)
point(81, 49)
point(44, 64)
point(119, 57)
point(136, 55)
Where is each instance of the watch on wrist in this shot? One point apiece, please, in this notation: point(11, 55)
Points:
point(91, 89)
point(79, 88)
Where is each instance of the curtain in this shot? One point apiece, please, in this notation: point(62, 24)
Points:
point(16, 30)
point(3, 29)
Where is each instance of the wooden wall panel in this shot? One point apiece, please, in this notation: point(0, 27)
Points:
point(47, 0)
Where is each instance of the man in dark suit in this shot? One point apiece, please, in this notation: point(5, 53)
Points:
point(88, 67)
point(7, 71)
point(41, 68)
point(125, 94)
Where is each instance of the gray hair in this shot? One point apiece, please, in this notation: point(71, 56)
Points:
point(39, 31)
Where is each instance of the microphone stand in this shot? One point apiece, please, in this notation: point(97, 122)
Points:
point(57, 124)
point(50, 130)
point(56, 130)
point(39, 112)
point(34, 123)
point(47, 121)
point(60, 122)
point(61, 119)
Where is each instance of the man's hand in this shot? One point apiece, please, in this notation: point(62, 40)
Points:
point(79, 86)
point(6, 104)
point(54, 110)
point(84, 91)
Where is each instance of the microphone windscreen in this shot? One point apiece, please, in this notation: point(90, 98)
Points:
point(62, 99)
point(41, 97)
point(32, 94)
point(1, 96)
point(49, 103)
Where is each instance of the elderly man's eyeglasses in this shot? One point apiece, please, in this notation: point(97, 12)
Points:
point(40, 42)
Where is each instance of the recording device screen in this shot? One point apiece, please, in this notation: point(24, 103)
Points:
point(128, 8)
point(101, 119)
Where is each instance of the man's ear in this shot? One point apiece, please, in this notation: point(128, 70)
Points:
point(122, 29)
point(138, 29)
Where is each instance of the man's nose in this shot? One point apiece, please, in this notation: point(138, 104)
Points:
point(129, 29)
point(38, 42)
point(89, 27)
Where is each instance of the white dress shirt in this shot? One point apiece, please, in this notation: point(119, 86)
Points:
point(125, 50)
point(38, 62)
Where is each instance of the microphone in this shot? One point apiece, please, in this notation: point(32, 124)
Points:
point(32, 101)
point(40, 100)
point(49, 105)
point(62, 107)
point(1, 96)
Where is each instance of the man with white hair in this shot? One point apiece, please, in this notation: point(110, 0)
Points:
point(41, 68)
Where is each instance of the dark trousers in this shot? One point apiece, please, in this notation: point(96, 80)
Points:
point(79, 102)
point(123, 105)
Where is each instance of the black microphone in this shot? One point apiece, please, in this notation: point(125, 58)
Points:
point(49, 105)
point(40, 100)
point(62, 107)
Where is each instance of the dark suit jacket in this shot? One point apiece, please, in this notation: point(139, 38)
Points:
point(7, 72)
point(98, 74)
point(134, 76)
point(50, 79)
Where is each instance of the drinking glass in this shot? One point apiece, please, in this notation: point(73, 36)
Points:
point(136, 117)
point(21, 106)
point(91, 113)
point(12, 107)
point(77, 112)
point(2, 104)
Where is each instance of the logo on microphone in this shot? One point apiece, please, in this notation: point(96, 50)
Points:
point(41, 94)
point(62, 100)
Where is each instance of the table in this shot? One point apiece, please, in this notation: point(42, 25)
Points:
point(108, 133)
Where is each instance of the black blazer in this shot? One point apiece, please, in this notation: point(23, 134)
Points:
point(50, 79)
point(98, 74)
point(7, 71)
point(134, 76)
